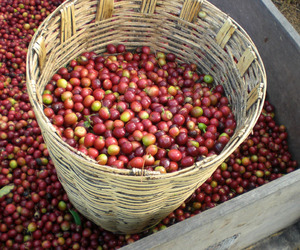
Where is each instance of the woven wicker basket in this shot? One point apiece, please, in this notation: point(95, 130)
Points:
point(129, 201)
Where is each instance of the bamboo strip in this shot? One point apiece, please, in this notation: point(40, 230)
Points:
point(62, 28)
point(190, 10)
point(104, 9)
point(255, 94)
point(148, 6)
point(225, 33)
point(246, 60)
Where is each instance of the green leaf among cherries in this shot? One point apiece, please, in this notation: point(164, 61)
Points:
point(6, 190)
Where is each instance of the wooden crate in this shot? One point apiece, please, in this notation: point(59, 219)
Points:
point(246, 219)
point(235, 224)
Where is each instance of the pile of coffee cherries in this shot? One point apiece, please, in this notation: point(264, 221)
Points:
point(35, 212)
point(138, 109)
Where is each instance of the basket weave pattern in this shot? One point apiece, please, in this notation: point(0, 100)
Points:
point(129, 201)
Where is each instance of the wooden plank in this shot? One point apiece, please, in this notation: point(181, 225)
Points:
point(285, 239)
point(235, 224)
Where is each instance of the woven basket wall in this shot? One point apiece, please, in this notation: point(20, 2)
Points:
point(128, 201)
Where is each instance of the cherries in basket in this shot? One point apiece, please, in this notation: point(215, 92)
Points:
point(138, 109)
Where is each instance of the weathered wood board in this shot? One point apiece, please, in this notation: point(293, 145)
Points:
point(235, 224)
point(287, 238)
